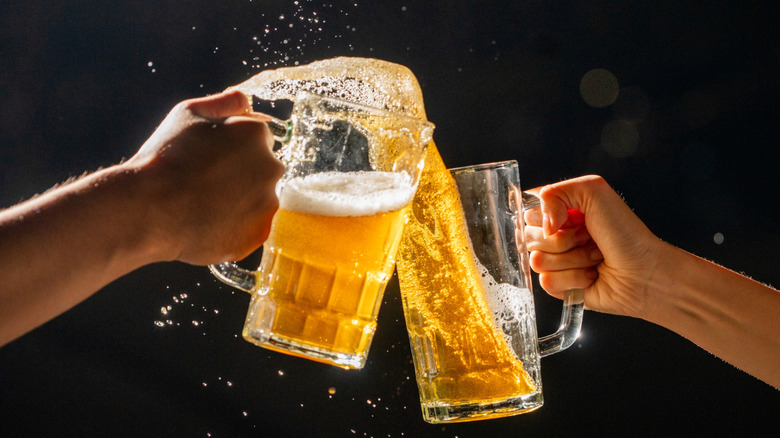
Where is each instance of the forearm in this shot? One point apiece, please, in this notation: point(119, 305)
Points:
point(727, 314)
point(98, 221)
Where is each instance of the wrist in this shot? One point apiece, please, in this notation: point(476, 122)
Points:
point(677, 293)
point(146, 226)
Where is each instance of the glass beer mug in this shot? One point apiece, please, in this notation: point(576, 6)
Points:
point(350, 173)
point(469, 310)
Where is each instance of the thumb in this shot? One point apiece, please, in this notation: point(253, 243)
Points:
point(568, 201)
point(221, 105)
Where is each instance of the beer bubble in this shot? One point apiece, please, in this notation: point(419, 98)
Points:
point(510, 305)
point(718, 238)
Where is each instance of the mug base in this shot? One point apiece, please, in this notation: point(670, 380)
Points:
point(436, 413)
point(292, 347)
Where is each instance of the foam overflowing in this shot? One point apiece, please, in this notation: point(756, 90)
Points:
point(347, 193)
point(508, 302)
point(367, 81)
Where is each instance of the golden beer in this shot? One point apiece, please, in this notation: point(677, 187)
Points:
point(326, 263)
point(462, 358)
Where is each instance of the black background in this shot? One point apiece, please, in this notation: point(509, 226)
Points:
point(84, 83)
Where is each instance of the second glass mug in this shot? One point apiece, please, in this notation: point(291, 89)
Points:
point(351, 172)
point(466, 291)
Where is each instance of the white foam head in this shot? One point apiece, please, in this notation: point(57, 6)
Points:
point(347, 193)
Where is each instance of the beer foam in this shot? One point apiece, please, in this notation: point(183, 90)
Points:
point(347, 193)
point(506, 301)
point(367, 81)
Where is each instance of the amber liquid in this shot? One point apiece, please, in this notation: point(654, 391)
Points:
point(323, 283)
point(461, 357)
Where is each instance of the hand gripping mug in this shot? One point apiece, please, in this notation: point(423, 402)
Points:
point(466, 291)
point(350, 173)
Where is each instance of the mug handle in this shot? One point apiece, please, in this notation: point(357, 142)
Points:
point(229, 272)
point(234, 275)
point(573, 306)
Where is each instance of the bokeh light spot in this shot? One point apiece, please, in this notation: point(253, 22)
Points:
point(599, 88)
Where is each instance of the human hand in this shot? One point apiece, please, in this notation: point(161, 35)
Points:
point(210, 175)
point(585, 237)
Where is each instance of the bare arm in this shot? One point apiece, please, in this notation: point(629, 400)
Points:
point(626, 270)
point(200, 190)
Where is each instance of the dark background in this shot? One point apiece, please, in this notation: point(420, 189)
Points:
point(690, 142)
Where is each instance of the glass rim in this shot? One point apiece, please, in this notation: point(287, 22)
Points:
point(484, 166)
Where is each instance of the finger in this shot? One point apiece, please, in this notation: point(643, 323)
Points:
point(567, 201)
point(561, 241)
point(558, 282)
point(554, 214)
point(254, 116)
point(578, 258)
point(252, 125)
point(533, 217)
point(220, 105)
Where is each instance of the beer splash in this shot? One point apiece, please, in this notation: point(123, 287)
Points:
point(474, 363)
point(366, 81)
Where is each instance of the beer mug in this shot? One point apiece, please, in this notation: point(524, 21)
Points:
point(350, 173)
point(470, 314)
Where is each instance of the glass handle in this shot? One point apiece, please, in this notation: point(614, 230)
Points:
point(573, 306)
point(571, 323)
point(530, 201)
point(234, 275)
point(281, 129)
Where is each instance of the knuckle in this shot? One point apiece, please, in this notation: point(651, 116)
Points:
point(547, 282)
point(536, 259)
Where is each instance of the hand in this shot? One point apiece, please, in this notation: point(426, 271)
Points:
point(212, 176)
point(585, 236)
